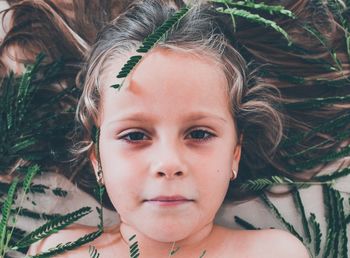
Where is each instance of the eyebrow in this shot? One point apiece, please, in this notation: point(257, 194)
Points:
point(142, 117)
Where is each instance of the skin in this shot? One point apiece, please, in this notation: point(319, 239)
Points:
point(169, 131)
point(172, 116)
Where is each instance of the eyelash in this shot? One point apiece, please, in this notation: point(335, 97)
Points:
point(208, 136)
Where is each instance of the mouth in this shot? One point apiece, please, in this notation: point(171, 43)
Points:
point(169, 200)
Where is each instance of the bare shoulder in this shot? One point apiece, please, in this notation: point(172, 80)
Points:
point(278, 243)
point(69, 234)
point(267, 243)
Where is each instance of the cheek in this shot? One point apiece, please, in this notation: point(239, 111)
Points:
point(120, 176)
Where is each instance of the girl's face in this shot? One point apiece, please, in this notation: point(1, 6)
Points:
point(167, 144)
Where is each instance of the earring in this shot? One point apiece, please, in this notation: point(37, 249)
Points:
point(100, 177)
point(234, 174)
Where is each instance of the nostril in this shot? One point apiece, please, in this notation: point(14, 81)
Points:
point(179, 173)
point(161, 174)
point(165, 174)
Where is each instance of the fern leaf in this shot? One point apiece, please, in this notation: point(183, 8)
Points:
point(300, 207)
point(31, 172)
point(38, 188)
point(271, 9)
point(317, 233)
point(53, 226)
point(203, 254)
point(338, 137)
point(255, 18)
point(317, 102)
point(93, 252)
point(61, 248)
point(337, 223)
point(341, 240)
point(133, 247)
point(24, 88)
point(173, 252)
point(324, 42)
point(34, 215)
point(264, 183)
point(334, 175)
point(329, 206)
point(5, 212)
point(58, 191)
point(278, 215)
point(338, 122)
point(26, 143)
point(6, 104)
point(245, 224)
point(149, 43)
point(326, 158)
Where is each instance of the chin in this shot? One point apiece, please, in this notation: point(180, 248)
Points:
point(167, 233)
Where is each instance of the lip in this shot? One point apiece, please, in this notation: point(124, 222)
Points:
point(164, 198)
point(169, 200)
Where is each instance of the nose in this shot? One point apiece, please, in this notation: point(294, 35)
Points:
point(169, 161)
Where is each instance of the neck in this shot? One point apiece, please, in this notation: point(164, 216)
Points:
point(191, 246)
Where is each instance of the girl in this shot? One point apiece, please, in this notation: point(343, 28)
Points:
point(170, 140)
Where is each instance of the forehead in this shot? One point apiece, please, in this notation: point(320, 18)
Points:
point(169, 79)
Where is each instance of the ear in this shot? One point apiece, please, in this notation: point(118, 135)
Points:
point(237, 153)
point(93, 160)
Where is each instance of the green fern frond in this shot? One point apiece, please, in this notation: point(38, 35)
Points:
point(5, 104)
point(330, 218)
point(330, 126)
point(38, 188)
point(271, 9)
point(317, 102)
point(337, 222)
point(324, 42)
point(61, 248)
point(31, 172)
point(24, 90)
point(342, 227)
point(58, 191)
point(338, 137)
point(338, 11)
point(278, 215)
point(173, 252)
point(93, 252)
point(245, 224)
point(203, 254)
point(94, 134)
point(100, 216)
point(317, 233)
point(149, 43)
point(263, 183)
point(34, 215)
point(255, 18)
point(322, 160)
point(5, 212)
point(133, 247)
point(333, 175)
point(53, 226)
point(300, 207)
point(100, 191)
point(42, 189)
point(152, 39)
point(25, 143)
